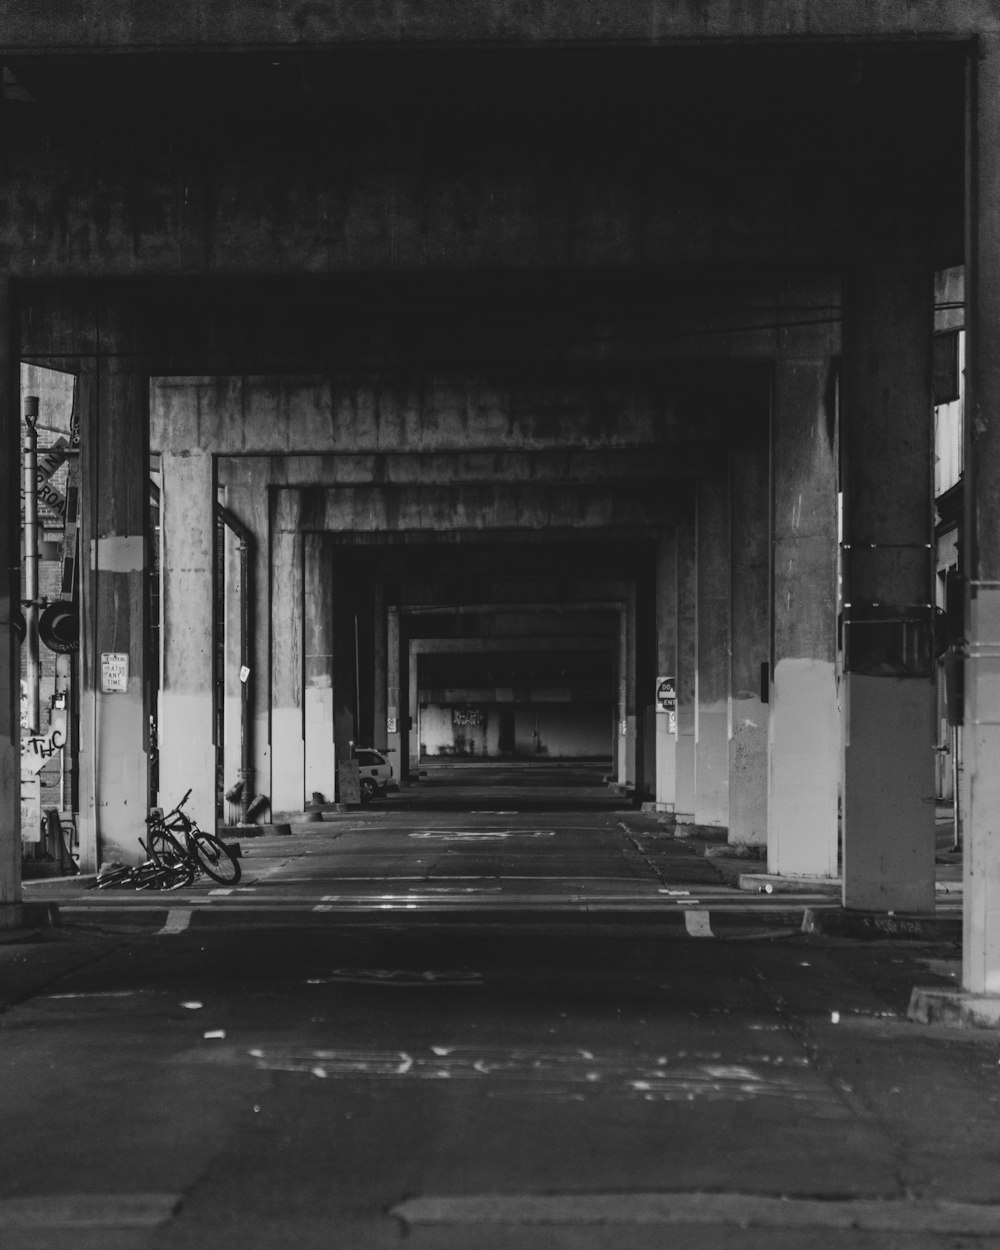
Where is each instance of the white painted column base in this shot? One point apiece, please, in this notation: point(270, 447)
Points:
point(803, 769)
point(711, 766)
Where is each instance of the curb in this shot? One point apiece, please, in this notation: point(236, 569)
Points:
point(254, 831)
point(954, 1007)
point(873, 926)
point(685, 923)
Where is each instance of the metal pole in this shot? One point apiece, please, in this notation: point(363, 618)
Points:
point(956, 746)
point(31, 558)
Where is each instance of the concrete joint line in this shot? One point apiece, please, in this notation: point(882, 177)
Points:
point(735, 1210)
point(88, 1210)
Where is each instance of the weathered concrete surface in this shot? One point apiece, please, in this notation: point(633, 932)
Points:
point(804, 723)
point(186, 703)
point(319, 592)
point(750, 642)
point(236, 24)
point(804, 726)
point(113, 725)
point(712, 616)
point(665, 725)
point(470, 1059)
point(400, 180)
point(888, 695)
point(287, 639)
point(981, 796)
point(687, 653)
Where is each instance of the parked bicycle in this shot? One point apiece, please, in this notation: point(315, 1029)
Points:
point(177, 851)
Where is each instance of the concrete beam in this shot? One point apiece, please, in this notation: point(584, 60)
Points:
point(491, 646)
point(462, 425)
point(482, 509)
point(239, 25)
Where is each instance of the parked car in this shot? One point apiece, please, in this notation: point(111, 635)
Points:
point(374, 771)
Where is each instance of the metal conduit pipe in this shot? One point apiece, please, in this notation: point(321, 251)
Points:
point(246, 546)
point(31, 559)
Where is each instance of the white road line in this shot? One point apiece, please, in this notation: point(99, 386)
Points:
point(698, 923)
point(680, 1210)
point(178, 919)
point(88, 1211)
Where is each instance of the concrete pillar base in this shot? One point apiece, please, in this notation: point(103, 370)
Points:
point(15, 916)
point(235, 832)
point(955, 1007)
point(709, 833)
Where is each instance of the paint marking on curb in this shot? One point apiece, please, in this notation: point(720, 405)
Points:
point(88, 1210)
point(890, 1215)
point(698, 923)
point(178, 919)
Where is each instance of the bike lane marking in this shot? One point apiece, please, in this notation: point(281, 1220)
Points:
point(178, 919)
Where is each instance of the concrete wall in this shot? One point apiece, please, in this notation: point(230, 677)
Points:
point(542, 731)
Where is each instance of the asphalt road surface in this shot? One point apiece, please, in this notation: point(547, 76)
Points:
point(483, 1025)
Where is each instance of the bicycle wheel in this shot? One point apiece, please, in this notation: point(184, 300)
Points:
point(215, 858)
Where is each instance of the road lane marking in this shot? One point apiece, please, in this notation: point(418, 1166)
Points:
point(481, 835)
point(698, 923)
point(88, 1210)
point(888, 1215)
point(178, 919)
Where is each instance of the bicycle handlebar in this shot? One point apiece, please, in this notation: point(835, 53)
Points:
point(173, 812)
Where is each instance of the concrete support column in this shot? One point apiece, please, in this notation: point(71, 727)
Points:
point(750, 644)
point(114, 729)
point(630, 694)
point(10, 594)
point(413, 703)
point(286, 616)
point(666, 667)
point(981, 540)
point(804, 722)
point(711, 767)
point(320, 770)
point(394, 736)
point(687, 652)
point(380, 672)
point(621, 686)
point(230, 676)
point(186, 723)
point(889, 699)
point(247, 497)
